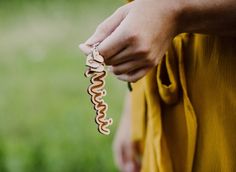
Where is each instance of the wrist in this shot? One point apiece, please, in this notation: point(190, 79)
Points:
point(187, 17)
point(198, 16)
point(183, 16)
point(176, 10)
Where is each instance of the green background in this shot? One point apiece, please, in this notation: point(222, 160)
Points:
point(46, 118)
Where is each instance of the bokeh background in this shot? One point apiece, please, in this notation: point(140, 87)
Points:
point(46, 118)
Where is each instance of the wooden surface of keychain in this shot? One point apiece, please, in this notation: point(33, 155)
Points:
point(97, 73)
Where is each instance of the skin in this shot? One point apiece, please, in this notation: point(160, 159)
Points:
point(134, 39)
point(126, 152)
point(132, 52)
point(136, 36)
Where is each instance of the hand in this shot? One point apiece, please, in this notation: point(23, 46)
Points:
point(136, 36)
point(126, 153)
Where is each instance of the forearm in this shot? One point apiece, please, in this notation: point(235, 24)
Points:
point(208, 16)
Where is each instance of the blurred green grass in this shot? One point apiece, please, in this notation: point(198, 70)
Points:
point(46, 118)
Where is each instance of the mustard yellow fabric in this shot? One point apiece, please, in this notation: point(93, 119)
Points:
point(184, 111)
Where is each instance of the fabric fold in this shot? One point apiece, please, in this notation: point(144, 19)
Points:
point(170, 88)
point(167, 79)
point(190, 116)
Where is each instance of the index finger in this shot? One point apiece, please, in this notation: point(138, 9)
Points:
point(113, 44)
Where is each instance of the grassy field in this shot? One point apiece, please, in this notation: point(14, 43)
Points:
point(46, 118)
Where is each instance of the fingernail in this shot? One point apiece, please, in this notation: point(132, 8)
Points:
point(85, 49)
point(80, 46)
point(90, 41)
point(109, 69)
point(119, 77)
point(129, 167)
point(122, 77)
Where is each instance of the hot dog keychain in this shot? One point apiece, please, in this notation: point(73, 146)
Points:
point(97, 73)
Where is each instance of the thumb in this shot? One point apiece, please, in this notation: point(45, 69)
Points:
point(108, 26)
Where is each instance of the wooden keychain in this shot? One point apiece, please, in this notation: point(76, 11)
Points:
point(97, 73)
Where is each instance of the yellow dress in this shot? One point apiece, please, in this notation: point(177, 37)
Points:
point(184, 111)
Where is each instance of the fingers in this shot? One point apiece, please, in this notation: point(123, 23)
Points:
point(127, 67)
point(119, 153)
point(109, 47)
point(130, 154)
point(113, 44)
point(85, 48)
point(105, 32)
point(123, 56)
point(119, 156)
point(107, 27)
point(125, 158)
point(133, 76)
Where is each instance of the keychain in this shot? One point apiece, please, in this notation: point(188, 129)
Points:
point(96, 71)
